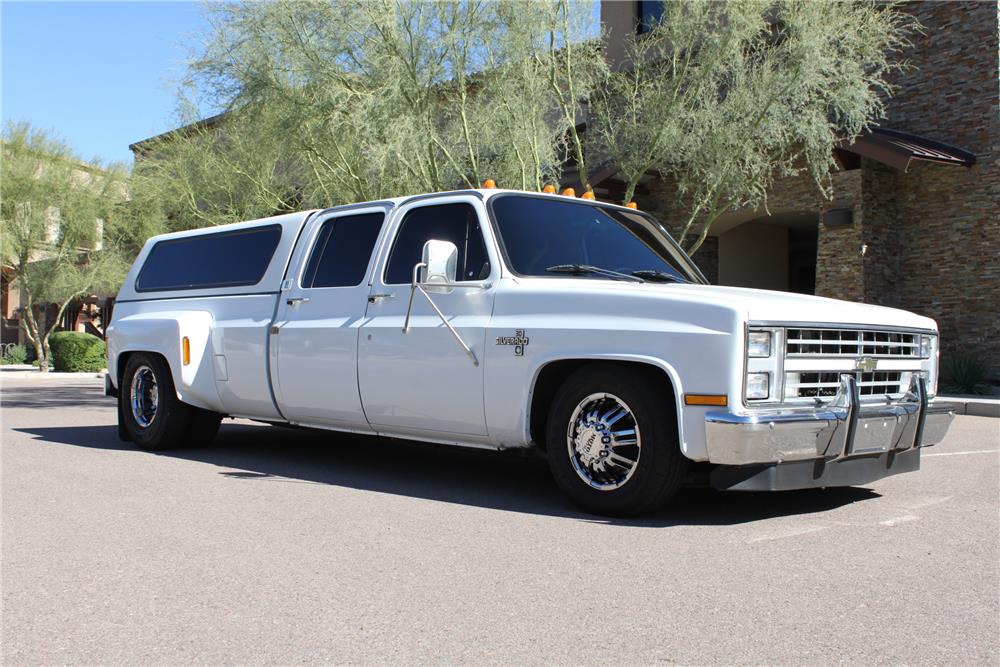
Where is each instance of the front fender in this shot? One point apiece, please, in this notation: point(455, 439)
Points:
point(162, 333)
point(666, 367)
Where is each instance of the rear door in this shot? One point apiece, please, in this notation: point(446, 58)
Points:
point(315, 338)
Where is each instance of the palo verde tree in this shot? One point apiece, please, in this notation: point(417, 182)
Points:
point(341, 101)
point(722, 98)
point(61, 234)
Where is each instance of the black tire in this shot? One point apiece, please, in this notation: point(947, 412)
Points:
point(203, 426)
point(171, 419)
point(122, 431)
point(659, 468)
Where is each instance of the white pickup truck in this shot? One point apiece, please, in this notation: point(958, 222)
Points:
point(502, 319)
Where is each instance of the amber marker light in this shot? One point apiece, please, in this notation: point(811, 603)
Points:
point(568, 192)
point(186, 351)
point(549, 189)
point(589, 194)
point(632, 205)
point(489, 184)
point(715, 400)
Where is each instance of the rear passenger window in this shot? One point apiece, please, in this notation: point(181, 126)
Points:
point(226, 259)
point(458, 223)
point(342, 250)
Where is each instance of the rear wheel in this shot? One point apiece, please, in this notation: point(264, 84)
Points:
point(152, 415)
point(611, 440)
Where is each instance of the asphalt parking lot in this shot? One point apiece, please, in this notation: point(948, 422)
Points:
point(277, 546)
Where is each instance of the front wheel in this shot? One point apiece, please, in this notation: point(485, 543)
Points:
point(611, 441)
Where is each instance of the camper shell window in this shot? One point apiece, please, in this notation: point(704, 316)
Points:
point(227, 259)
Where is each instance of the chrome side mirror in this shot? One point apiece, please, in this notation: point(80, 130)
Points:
point(437, 272)
point(440, 266)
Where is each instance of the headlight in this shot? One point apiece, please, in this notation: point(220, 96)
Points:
point(758, 385)
point(926, 347)
point(759, 344)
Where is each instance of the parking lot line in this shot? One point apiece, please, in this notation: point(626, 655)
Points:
point(974, 451)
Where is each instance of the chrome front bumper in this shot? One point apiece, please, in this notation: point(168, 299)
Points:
point(843, 430)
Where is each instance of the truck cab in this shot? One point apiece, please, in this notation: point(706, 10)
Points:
point(504, 319)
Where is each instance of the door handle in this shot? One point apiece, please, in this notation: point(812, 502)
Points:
point(292, 301)
point(372, 298)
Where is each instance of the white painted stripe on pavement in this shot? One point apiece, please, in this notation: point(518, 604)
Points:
point(975, 451)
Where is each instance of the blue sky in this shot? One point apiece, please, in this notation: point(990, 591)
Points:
point(98, 74)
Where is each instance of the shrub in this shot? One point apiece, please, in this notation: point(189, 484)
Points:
point(76, 352)
point(963, 373)
point(15, 354)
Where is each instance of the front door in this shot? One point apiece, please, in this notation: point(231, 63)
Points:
point(421, 381)
point(315, 347)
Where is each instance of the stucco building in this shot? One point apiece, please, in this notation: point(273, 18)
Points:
point(914, 221)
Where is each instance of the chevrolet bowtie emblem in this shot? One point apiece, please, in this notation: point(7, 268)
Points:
point(866, 364)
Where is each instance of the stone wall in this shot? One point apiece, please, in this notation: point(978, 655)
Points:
point(949, 253)
point(931, 235)
point(945, 256)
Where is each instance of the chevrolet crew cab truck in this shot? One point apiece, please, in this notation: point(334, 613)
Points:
point(503, 319)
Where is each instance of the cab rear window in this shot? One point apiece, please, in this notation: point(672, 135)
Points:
point(227, 259)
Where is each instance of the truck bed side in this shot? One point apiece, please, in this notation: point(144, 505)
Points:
point(226, 328)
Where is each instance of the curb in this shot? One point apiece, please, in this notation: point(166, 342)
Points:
point(977, 407)
point(51, 375)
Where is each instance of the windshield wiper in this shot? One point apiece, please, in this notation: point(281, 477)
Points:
point(659, 276)
point(580, 269)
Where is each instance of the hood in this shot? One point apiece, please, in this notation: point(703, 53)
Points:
point(773, 306)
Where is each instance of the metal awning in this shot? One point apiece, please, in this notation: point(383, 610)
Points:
point(897, 149)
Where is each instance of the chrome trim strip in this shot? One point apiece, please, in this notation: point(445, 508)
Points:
point(199, 296)
point(839, 325)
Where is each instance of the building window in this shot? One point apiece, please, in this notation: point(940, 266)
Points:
point(650, 14)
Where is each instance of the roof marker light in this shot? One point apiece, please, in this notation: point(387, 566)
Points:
point(589, 194)
point(549, 189)
point(489, 184)
point(568, 192)
point(632, 205)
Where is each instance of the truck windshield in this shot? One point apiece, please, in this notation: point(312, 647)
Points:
point(548, 235)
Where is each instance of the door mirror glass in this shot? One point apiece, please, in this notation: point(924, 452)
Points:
point(440, 259)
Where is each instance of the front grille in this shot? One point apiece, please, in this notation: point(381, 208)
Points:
point(824, 384)
point(851, 343)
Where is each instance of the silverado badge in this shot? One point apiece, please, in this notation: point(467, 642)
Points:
point(518, 340)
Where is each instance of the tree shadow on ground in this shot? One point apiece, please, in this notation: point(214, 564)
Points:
point(509, 481)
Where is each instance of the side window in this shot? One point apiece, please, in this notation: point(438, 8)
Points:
point(342, 250)
point(457, 223)
point(224, 259)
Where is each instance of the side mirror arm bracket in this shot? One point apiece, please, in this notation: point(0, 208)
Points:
point(415, 287)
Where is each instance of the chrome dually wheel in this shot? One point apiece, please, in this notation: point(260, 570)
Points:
point(145, 396)
point(612, 439)
point(603, 441)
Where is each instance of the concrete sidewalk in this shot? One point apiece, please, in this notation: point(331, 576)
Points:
point(28, 372)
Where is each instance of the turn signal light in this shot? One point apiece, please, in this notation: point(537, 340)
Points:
point(549, 189)
point(717, 400)
point(568, 192)
point(489, 184)
point(186, 350)
point(589, 194)
point(632, 205)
